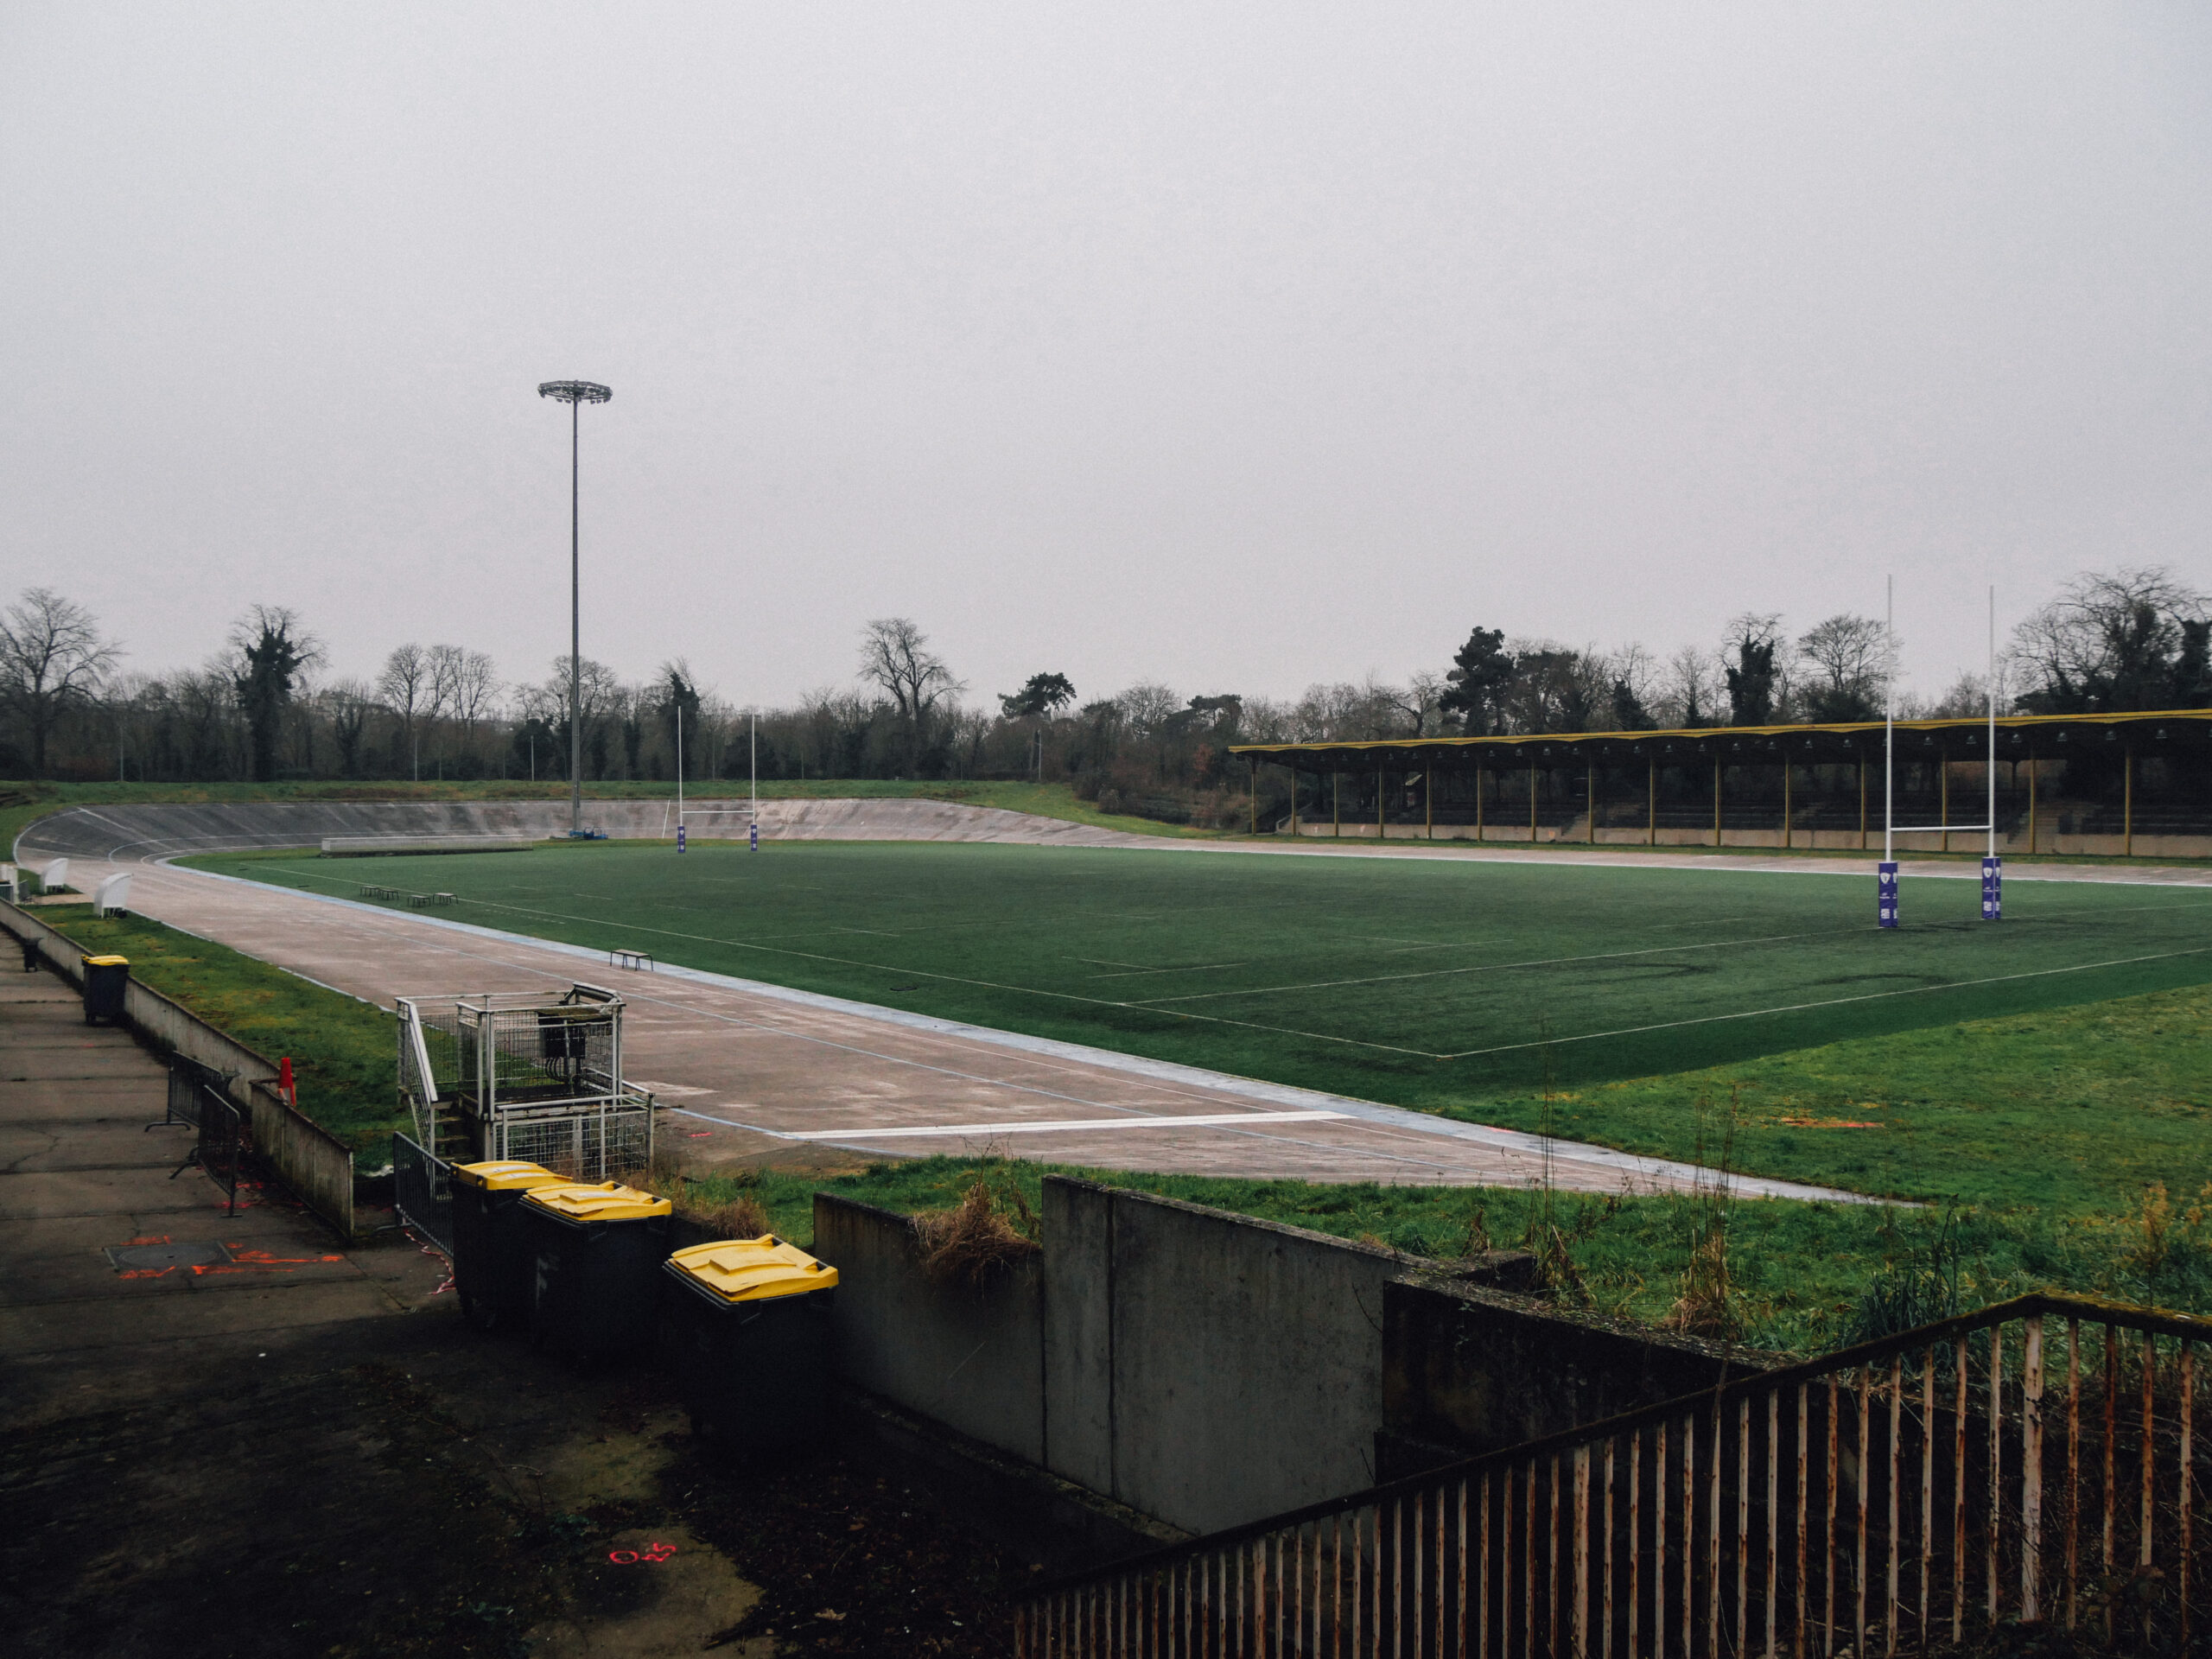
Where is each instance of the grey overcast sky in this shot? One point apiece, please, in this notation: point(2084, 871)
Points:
point(1232, 346)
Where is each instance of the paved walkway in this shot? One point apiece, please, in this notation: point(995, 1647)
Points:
point(746, 1068)
point(247, 1440)
point(82, 1177)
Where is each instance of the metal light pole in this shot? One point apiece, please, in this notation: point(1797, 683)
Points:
point(573, 392)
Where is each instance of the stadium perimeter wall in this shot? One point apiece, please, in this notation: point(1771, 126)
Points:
point(1206, 1369)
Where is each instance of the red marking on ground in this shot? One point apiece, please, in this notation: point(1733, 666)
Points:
point(145, 1273)
point(656, 1552)
point(163, 1239)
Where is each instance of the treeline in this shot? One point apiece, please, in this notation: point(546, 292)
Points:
point(260, 709)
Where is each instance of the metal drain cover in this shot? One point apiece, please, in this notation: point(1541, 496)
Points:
point(138, 1257)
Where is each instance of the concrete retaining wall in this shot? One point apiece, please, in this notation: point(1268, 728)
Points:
point(1206, 1368)
point(313, 1164)
point(968, 1357)
point(1467, 1370)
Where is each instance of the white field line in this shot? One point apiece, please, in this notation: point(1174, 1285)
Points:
point(1833, 1002)
point(1191, 1121)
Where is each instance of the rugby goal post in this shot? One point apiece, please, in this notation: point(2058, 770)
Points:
point(1886, 905)
point(750, 813)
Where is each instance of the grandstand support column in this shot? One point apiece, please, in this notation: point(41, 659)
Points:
point(1943, 793)
point(1428, 798)
point(1337, 805)
point(2031, 802)
point(1480, 773)
point(1862, 803)
point(1296, 776)
point(1252, 782)
point(1651, 805)
point(1381, 828)
point(1785, 805)
point(1590, 797)
point(1716, 802)
point(1532, 803)
point(2127, 804)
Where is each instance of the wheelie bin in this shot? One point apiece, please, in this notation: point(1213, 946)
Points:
point(745, 1329)
point(595, 1251)
point(104, 978)
point(492, 1261)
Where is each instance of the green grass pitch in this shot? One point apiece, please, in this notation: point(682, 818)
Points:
point(1430, 984)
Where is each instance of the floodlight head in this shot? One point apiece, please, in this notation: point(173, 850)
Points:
point(575, 391)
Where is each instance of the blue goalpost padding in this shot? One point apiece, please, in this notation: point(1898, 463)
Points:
point(1885, 895)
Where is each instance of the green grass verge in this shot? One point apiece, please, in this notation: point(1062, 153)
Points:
point(341, 1049)
point(1803, 1274)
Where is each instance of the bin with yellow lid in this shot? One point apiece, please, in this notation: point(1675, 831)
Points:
point(596, 1249)
point(105, 980)
point(492, 1259)
point(746, 1327)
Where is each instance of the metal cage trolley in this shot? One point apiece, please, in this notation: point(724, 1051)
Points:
point(524, 1077)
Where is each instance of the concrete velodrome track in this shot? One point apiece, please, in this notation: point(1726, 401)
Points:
point(744, 1067)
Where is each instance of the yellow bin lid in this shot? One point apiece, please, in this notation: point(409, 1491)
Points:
point(507, 1177)
point(107, 962)
point(752, 1269)
point(607, 1201)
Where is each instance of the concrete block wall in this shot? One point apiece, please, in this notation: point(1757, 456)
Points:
point(968, 1357)
point(1207, 1368)
point(1468, 1370)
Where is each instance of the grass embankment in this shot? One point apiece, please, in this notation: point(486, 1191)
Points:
point(23, 804)
point(341, 1048)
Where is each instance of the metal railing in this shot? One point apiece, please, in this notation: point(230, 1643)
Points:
point(219, 1146)
point(2035, 1461)
point(421, 1194)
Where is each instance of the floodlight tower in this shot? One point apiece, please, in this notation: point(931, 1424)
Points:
point(573, 392)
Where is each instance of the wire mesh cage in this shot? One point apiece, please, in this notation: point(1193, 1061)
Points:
point(530, 1076)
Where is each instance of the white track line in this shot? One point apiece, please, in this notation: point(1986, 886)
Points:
point(1191, 1120)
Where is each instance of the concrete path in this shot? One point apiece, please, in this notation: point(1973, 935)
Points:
point(81, 1175)
point(276, 1444)
point(746, 1068)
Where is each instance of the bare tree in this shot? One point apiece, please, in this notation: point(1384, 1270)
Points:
point(51, 656)
point(1146, 706)
point(895, 655)
point(409, 688)
point(1689, 693)
point(1847, 658)
point(2134, 639)
point(347, 704)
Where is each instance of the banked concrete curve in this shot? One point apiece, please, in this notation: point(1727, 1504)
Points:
point(153, 830)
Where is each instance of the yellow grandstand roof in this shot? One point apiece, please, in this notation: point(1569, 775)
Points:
point(2018, 736)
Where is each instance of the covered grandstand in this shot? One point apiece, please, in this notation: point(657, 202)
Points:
point(2116, 785)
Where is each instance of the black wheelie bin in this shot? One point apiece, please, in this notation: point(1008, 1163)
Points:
point(104, 978)
point(493, 1262)
point(746, 1327)
point(595, 1252)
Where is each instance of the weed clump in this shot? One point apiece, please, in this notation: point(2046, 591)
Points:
point(1707, 1306)
point(992, 1228)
